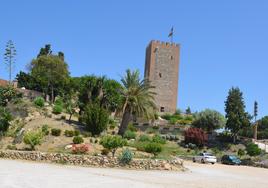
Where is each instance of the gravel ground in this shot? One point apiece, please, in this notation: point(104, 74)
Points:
point(20, 174)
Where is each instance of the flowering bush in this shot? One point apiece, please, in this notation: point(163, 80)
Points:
point(195, 136)
point(80, 148)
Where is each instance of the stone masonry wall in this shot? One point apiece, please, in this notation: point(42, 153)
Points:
point(93, 161)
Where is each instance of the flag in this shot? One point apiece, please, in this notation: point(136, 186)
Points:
point(170, 33)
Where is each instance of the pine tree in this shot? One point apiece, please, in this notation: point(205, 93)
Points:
point(188, 111)
point(236, 116)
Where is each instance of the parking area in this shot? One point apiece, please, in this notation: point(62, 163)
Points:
point(21, 174)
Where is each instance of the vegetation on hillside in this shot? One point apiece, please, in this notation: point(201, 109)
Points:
point(109, 116)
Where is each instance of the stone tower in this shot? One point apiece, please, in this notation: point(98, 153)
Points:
point(162, 69)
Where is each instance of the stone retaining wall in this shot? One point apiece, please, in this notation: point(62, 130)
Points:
point(93, 161)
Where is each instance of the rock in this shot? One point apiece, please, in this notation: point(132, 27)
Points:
point(68, 147)
point(167, 166)
point(36, 114)
point(19, 137)
point(27, 119)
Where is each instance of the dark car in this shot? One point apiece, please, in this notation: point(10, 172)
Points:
point(230, 160)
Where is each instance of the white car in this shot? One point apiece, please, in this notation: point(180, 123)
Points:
point(205, 158)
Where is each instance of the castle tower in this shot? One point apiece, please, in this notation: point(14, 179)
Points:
point(162, 69)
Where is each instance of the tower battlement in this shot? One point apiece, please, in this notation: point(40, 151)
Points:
point(162, 69)
point(164, 44)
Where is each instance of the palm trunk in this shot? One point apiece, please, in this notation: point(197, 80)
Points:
point(70, 117)
point(52, 94)
point(234, 138)
point(125, 121)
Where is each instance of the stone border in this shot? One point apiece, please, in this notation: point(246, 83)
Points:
point(93, 161)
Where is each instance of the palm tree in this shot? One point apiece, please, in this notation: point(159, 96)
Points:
point(138, 98)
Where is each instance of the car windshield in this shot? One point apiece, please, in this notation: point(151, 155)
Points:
point(233, 157)
point(208, 154)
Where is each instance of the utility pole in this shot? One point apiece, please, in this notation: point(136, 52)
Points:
point(255, 125)
point(255, 110)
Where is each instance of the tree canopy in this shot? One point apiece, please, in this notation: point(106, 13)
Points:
point(51, 72)
point(138, 98)
point(209, 120)
point(93, 89)
point(236, 116)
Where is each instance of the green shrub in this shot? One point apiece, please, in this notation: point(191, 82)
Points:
point(132, 128)
point(112, 124)
point(7, 94)
point(191, 146)
point(59, 102)
point(112, 143)
point(57, 109)
point(45, 130)
point(158, 139)
point(86, 134)
point(39, 101)
point(151, 130)
point(129, 135)
point(126, 156)
point(241, 152)
point(144, 138)
point(78, 140)
point(5, 118)
point(76, 133)
point(140, 146)
point(173, 121)
point(155, 127)
point(11, 147)
point(252, 149)
point(166, 116)
point(55, 132)
point(33, 138)
point(153, 148)
point(69, 133)
point(95, 118)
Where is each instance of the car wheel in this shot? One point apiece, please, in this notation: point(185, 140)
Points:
point(212, 163)
point(194, 160)
point(202, 161)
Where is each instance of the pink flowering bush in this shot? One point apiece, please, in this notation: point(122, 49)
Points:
point(80, 148)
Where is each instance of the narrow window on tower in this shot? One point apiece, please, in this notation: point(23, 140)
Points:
point(160, 75)
point(162, 109)
point(171, 57)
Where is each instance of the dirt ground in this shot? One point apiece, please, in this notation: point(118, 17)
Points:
point(20, 174)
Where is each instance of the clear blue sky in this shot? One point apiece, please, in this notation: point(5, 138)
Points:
point(223, 43)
